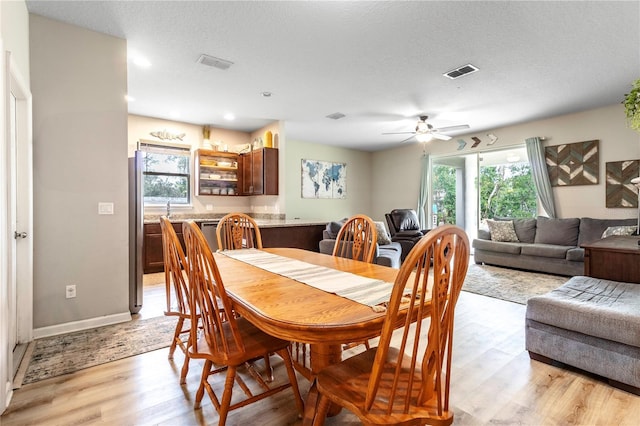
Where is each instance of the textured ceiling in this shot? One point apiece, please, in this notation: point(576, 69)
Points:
point(375, 62)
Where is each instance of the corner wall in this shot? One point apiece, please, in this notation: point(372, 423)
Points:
point(78, 82)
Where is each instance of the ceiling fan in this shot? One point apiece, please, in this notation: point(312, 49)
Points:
point(425, 132)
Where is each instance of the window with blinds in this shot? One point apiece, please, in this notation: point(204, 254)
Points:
point(166, 174)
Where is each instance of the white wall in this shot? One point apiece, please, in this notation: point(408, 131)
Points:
point(78, 82)
point(359, 185)
point(607, 124)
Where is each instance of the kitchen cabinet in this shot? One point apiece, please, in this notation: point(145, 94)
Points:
point(153, 260)
point(260, 172)
point(217, 173)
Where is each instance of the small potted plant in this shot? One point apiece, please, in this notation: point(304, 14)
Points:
point(632, 106)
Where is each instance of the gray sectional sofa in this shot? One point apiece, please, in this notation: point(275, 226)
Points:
point(544, 244)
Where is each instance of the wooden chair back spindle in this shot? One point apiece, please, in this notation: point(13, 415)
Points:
point(214, 309)
point(177, 288)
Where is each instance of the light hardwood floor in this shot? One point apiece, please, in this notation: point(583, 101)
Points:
point(494, 382)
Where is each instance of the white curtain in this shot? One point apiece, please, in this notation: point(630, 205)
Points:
point(541, 175)
point(423, 197)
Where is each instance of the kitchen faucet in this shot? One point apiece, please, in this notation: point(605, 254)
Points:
point(168, 208)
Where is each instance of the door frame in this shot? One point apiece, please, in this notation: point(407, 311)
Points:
point(14, 82)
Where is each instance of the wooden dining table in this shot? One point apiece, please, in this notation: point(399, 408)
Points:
point(294, 311)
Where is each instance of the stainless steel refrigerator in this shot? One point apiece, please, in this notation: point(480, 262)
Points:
point(136, 214)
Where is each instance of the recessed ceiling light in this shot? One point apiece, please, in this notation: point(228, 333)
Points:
point(229, 116)
point(266, 94)
point(141, 62)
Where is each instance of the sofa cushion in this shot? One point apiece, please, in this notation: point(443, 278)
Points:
point(562, 232)
point(545, 250)
point(383, 235)
point(602, 308)
point(619, 230)
point(502, 230)
point(592, 229)
point(334, 227)
point(525, 228)
point(575, 254)
point(510, 248)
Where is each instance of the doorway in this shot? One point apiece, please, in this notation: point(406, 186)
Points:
point(17, 297)
point(468, 189)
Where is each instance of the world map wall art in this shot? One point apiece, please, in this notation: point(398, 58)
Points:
point(324, 179)
point(573, 163)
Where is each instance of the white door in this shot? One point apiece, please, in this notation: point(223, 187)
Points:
point(17, 192)
point(13, 227)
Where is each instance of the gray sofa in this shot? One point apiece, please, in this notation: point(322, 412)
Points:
point(544, 244)
point(387, 254)
point(591, 324)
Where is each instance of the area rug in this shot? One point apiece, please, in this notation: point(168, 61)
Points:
point(509, 284)
point(66, 353)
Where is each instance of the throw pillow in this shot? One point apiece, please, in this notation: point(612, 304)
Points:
point(561, 232)
point(334, 227)
point(383, 235)
point(502, 230)
point(618, 230)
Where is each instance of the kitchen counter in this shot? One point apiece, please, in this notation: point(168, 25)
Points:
point(276, 232)
point(262, 222)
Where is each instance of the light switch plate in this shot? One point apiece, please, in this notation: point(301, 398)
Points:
point(105, 208)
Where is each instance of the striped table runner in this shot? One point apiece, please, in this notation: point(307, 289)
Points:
point(364, 290)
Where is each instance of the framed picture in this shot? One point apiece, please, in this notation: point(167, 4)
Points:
point(323, 179)
point(573, 163)
point(620, 191)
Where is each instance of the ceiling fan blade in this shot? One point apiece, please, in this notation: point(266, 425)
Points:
point(408, 139)
point(441, 137)
point(452, 128)
point(399, 133)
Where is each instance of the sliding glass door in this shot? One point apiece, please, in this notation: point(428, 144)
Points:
point(471, 188)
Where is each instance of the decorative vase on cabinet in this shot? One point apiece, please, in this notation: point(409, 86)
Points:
point(217, 173)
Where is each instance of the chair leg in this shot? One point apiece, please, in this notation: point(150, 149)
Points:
point(321, 411)
point(185, 368)
point(226, 396)
point(268, 368)
point(286, 356)
point(176, 336)
point(205, 374)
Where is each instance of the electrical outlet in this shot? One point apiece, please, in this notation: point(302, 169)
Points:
point(71, 291)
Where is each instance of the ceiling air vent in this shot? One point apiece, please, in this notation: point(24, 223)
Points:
point(212, 61)
point(336, 116)
point(459, 72)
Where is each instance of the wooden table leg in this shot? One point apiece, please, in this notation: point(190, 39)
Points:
point(321, 357)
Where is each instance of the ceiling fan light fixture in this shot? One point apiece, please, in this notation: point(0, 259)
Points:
point(424, 137)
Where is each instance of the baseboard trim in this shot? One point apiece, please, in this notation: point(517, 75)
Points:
point(69, 327)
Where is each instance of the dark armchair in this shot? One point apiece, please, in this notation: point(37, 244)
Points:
point(404, 228)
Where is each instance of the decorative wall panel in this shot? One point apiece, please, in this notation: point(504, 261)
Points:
point(620, 191)
point(573, 163)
